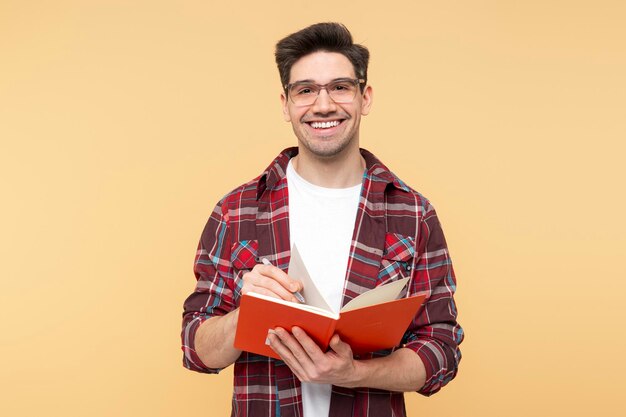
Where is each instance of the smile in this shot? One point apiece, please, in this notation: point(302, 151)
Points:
point(324, 125)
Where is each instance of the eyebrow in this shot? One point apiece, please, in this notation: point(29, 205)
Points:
point(309, 81)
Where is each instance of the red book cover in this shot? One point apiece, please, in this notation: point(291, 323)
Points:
point(365, 329)
point(259, 313)
point(374, 320)
point(376, 327)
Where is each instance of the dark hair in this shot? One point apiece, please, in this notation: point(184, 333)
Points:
point(329, 37)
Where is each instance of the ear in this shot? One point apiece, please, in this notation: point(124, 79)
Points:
point(285, 104)
point(366, 103)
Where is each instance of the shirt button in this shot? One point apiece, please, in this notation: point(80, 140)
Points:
point(408, 267)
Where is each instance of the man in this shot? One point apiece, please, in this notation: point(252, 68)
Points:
point(356, 226)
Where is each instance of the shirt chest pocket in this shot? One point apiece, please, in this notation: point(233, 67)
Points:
point(243, 257)
point(397, 259)
point(243, 254)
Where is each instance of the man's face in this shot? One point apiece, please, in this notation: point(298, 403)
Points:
point(306, 121)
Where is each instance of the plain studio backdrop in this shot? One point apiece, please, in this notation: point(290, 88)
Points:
point(123, 122)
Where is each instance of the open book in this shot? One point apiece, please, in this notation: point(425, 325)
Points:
point(374, 320)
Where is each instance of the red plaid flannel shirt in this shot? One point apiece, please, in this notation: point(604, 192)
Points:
point(396, 231)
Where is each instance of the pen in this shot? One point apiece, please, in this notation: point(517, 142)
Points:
point(296, 294)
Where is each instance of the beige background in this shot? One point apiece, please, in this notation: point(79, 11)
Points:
point(123, 122)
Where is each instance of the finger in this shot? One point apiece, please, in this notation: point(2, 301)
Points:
point(276, 343)
point(294, 346)
point(253, 282)
point(280, 276)
point(306, 352)
point(312, 350)
point(275, 287)
point(255, 279)
point(340, 347)
point(261, 290)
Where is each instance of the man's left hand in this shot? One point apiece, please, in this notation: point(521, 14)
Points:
point(310, 364)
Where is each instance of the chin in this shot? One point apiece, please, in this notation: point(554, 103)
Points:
point(327, 151)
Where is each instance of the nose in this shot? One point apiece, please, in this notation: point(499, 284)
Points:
point(323, 103)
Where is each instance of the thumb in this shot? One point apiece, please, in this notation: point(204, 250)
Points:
point(340, 347)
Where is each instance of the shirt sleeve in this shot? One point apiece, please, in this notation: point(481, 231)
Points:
point(435, 334)
point(213, 294)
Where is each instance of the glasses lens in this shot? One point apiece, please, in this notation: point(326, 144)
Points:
point(342, 91)
point(303, 94)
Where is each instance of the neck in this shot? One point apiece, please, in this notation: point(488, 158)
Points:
point(340, 171)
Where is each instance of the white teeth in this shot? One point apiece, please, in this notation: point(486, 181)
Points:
point(324, 125)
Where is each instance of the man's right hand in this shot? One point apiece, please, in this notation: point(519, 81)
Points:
point(271, 281)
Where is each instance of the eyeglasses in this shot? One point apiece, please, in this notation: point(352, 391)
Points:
point(342, 90)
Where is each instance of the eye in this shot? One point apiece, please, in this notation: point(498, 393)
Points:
point(342, 87)
point(303, 90)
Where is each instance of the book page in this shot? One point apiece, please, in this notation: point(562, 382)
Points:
point(299, 306)
point(381, 294)
point(298, 271)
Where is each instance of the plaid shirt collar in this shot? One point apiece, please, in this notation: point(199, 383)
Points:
point(376, 170)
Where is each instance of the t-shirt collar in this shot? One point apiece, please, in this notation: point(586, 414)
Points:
point(277, 170)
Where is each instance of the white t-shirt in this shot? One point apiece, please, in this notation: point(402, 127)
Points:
point(321, 224)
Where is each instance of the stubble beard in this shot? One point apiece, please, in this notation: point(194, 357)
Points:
point(322, 149)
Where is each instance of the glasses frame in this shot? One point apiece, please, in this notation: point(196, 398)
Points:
point(356, 81)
